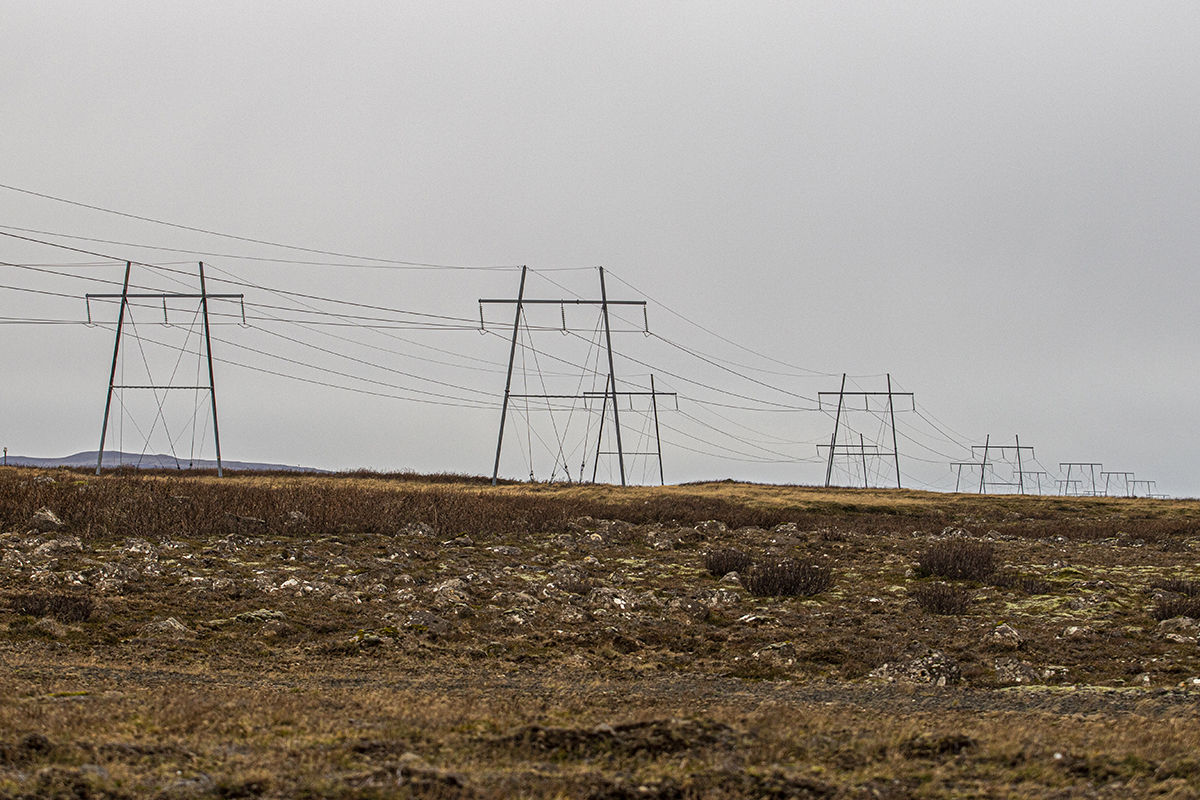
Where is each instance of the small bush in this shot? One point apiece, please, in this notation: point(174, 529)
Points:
point(1178, 586)
point(941, 598)
point(1169, 607)
point(63, 607)
point(958, 559)
point(726, 560)
point(787, 578)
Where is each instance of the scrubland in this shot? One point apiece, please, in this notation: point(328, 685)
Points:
point(362, 635)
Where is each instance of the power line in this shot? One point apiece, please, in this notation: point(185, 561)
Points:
point(707, 360)
point(669, 310)
point(455, 402)
point(247, 239)
point(241, 257)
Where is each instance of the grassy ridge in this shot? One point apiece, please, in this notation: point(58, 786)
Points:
point(164, 504)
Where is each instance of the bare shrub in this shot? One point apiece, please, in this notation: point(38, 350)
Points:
point(726, 560)
point(958, 559)
point(1170, 607)
point(1179, 586)
point(787, 578)
point(63, 607)
point(941, 598)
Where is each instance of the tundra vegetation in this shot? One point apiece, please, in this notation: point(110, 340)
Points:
point(367, 635)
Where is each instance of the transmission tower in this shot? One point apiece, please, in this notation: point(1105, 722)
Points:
point(861, 450)
point(1085, 485)
point(1150, 485)
point(610, 393)
point(988, 455)
point(1120, 479)
point(125, 296)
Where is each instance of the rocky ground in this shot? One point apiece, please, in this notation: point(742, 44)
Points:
point(285, 655)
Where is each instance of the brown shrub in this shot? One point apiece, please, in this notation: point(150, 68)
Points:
point(63, 607)
point(958, 559)
point(1170, 607)
point(1179, 586)
point(726, 560)
point(787, 578)
point(941, 598)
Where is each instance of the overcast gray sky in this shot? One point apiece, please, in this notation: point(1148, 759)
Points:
point(994, 202)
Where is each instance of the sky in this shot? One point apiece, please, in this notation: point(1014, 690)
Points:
point(993, 203)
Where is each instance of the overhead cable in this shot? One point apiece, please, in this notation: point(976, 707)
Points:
point(243, 238)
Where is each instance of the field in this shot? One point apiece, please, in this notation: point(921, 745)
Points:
point(368, 635)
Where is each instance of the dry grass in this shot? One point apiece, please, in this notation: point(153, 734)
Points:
point(429, 740)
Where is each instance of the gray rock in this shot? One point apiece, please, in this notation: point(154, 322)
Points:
point(1077, 632)
point(1013, 672)
point(419, 530)
point(367, 640)
point(1183, 630)
point(505, 550)
point(44, 521)
point(136, 546)
point(274, 629)
point(59, 546)
point(1005, 636)
point(933, 667)
point(718, 599)
point(690, 608)
point(1053, 673)
point(169, 628)
point(518, 599)
point(608, 599)
point(450, 593)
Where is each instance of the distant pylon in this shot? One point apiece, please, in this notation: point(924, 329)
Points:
point(125, 296)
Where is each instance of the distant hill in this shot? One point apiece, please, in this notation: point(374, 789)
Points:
point(114, 458)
